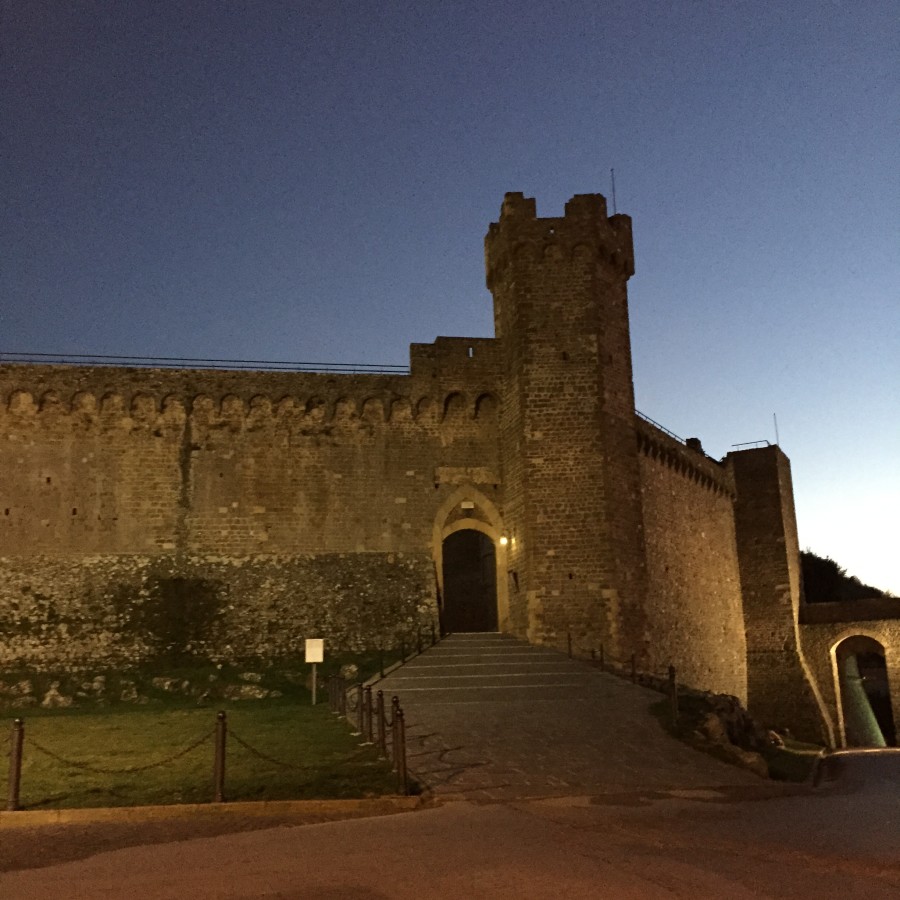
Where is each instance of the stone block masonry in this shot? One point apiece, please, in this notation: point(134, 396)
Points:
point(692, 564)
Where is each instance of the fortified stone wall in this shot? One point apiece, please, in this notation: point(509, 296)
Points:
point(273, 494)
point(232, 514)
point(694, 605)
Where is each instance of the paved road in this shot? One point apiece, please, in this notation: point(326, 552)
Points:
point(492, 718)
point(708, 845)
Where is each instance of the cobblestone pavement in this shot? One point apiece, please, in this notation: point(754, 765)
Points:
point(490, 717)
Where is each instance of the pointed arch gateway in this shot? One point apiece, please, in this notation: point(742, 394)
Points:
point(470, 561)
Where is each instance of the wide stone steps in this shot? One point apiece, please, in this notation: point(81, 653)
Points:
point(482, 666)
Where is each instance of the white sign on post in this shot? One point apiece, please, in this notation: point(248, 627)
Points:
point(315, 653)
point(315, 650)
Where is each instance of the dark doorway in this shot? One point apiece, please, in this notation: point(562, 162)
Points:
point(470, 583)
point(865, 693)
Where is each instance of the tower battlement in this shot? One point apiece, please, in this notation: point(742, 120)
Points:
point(585, 232)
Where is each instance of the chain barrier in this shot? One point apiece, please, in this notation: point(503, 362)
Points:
point(373, 722)
point(130, 770)
point(265, 756)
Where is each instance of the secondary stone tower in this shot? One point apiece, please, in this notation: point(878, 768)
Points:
point(571, 480)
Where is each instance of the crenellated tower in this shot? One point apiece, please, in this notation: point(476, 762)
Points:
point(571, 479)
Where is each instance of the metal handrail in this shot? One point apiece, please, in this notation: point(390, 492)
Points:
point(187, 362)
point(656, 424)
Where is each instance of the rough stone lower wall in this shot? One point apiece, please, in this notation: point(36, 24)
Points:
point(818, 641)
point(694, 593)
point(125, 611)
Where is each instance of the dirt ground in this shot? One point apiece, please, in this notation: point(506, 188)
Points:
point(45, 845)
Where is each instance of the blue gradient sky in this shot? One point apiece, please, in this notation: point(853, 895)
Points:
point(313, 181)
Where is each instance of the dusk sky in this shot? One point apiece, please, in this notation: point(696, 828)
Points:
point(312, 181)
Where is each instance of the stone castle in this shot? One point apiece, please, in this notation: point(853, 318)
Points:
point(503, 483)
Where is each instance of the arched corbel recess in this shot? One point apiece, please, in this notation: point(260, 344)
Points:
point(50, 402)
point(486, 407)
point(455, 407)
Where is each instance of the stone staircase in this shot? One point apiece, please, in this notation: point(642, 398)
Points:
point(490, 717)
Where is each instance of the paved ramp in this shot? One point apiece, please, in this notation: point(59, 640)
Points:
point(492, 717)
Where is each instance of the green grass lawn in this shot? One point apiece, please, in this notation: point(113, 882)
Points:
point(322, 759)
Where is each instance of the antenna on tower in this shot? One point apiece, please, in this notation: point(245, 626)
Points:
point(775, 420)
point(612, 178)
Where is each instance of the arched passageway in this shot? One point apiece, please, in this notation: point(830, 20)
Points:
point(865, 695)
point(470, 582)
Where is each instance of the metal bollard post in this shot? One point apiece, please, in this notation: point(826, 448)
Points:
point(633, 669)
point(16, 740)
point(360, 710)
point(219, 761)
point(569, 642)
point(379, 712)
point(367, 734)
point(395, 719)
point(673, 695)
point(402, 779)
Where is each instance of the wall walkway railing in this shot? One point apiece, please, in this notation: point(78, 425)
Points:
point(187, 362)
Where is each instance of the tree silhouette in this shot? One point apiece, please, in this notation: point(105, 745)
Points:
point(824, 581)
